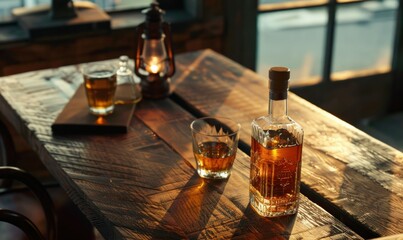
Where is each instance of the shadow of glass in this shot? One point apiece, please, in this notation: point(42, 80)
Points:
point(193, 210)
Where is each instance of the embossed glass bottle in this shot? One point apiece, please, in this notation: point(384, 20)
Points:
point(276, 149)
point(128, 90)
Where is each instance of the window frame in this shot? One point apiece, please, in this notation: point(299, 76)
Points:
point(331, 6)
point(11, 32)
point(365, 94)
point(164, 4)
point(397, 63)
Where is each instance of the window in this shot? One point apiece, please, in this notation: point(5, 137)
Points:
point(364, 38)
point(6, 6)
point(5, 9)
point(326, 40)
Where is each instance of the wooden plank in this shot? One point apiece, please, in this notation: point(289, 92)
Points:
point(142, 185)
point(350, 171)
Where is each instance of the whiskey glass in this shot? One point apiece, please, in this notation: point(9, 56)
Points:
point(215, 143)
point(100, 86)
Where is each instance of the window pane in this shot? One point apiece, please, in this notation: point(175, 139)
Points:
point(7, 5)
point(364, 38)
point(5, 8)
point(293, 38)
point(121, 4)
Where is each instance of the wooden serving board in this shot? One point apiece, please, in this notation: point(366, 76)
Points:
point(76, 118)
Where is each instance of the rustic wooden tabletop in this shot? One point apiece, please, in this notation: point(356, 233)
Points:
point(143, 184)
point(352, 175)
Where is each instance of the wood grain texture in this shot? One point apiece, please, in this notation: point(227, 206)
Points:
point(354, 173)
point(143, 185)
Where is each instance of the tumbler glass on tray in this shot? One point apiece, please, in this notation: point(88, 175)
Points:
point(100, 87)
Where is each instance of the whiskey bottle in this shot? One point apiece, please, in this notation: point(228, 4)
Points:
point(276, 149)
point(128, 90)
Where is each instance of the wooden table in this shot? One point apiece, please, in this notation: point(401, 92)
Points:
point(143, 184)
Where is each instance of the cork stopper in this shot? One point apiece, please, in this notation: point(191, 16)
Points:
point(278, 85)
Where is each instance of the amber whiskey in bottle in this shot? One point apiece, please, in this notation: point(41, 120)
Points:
point(276, 149)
